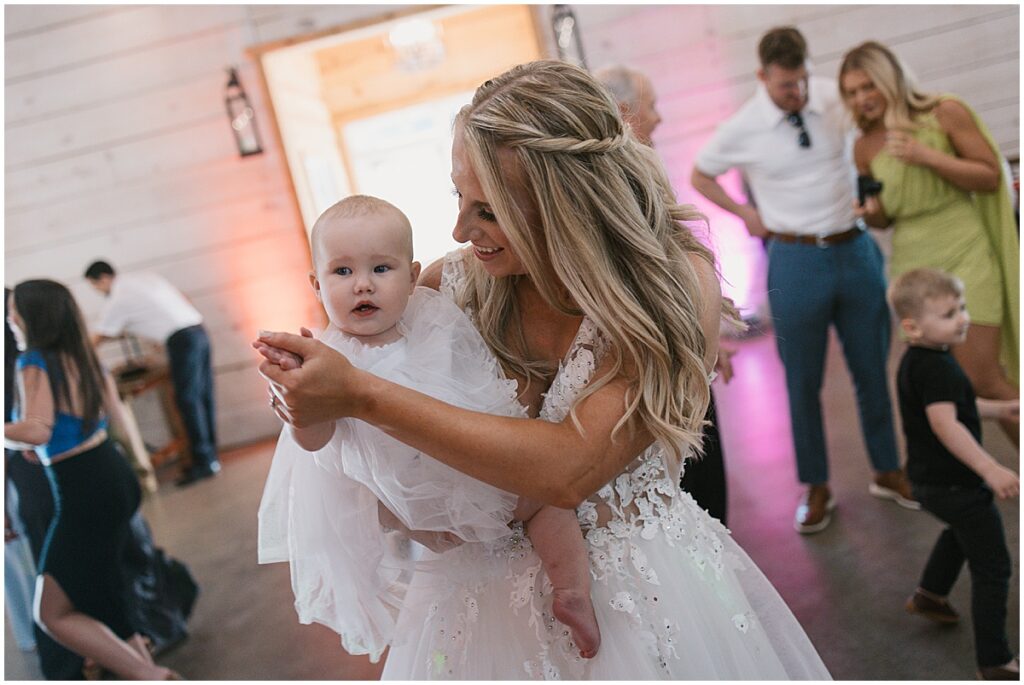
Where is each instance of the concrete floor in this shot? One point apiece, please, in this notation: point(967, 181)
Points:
point(846, 585)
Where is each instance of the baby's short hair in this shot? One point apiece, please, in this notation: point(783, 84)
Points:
point(361, 205)
point(908, 293)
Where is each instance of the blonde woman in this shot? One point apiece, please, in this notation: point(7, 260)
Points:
point(588, 286)
point(945, 199)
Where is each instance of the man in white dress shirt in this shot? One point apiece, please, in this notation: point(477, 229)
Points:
point(790, 140)
point(147, 306)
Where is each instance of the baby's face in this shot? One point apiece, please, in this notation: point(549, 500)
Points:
point(363, 275)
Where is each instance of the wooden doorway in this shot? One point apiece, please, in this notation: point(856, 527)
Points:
point(369, 109)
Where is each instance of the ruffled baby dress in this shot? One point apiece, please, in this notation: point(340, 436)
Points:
point(319, 510)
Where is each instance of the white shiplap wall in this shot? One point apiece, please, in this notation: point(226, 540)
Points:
point(117, 144)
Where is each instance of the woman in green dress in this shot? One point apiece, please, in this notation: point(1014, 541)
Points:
point(944, 195)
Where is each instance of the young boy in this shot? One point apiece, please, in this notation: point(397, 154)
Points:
point(365, 277)
point(952, 476)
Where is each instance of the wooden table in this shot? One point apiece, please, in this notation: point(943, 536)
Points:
point(135, 381)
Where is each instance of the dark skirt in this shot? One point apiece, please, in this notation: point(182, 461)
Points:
point(95, 494)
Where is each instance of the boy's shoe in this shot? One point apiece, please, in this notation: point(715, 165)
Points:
point(932, 607)
point(894, 485)
point(815, 510)
point(1010, 671)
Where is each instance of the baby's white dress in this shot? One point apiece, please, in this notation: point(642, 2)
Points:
point(319, 510)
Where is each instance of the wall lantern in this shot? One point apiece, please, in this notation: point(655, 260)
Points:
point(567, 35)
point(241, 116)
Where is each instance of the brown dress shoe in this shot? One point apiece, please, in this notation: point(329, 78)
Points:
point(895, 486)
point(1010, 671)
point(931, 606)
point(815, 510)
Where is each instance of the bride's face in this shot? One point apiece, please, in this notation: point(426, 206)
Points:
point(476, 223)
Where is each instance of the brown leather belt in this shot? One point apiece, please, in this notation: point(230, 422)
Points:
point(819, 240)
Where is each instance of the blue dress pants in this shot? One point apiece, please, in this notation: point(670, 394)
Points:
point(809, 289)
point(188, 351)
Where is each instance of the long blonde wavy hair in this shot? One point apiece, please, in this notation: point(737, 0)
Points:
point(904, 102)
point(609, 242)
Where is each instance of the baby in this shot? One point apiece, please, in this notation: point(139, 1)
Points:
point(365, 277)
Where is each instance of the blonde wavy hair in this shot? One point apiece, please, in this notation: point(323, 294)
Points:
point(904, 102)
point(609, 242)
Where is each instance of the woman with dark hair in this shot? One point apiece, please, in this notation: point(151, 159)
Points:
point(65, 403)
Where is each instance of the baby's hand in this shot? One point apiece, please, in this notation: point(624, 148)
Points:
point(286, 360)
point(275, 355)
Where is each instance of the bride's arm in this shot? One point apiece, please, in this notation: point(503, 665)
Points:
point(553, 463)
point(508, 453)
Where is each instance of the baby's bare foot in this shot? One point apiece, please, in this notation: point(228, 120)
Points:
point(575, 610)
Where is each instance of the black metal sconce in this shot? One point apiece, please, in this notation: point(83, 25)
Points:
point(241, 116)
point(567, 35)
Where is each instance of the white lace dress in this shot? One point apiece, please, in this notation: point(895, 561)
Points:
point(676, 597)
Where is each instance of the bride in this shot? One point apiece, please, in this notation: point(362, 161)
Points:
point(585, 281)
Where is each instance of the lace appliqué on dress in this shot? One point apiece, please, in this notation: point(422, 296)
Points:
point(642, 503)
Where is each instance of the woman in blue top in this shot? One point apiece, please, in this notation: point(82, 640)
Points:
point(65, 400)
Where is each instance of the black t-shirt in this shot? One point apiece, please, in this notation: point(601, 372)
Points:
point(927, 376)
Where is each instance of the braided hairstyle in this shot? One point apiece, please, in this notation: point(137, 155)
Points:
point(609, 242)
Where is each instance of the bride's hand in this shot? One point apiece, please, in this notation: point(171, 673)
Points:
point(324, 388)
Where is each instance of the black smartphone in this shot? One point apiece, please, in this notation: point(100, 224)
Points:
point(866, 187)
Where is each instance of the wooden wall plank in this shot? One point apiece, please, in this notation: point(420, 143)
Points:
point(246, 217)
point(204, 140)
point(152, 200)
point(184, 60)
point(112, 122)
point(132, 30)
point(29, 19)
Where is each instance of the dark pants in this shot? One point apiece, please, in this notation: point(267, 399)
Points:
point(975, 535)
point(35, 508)
point(704, 478)
point(188, 352)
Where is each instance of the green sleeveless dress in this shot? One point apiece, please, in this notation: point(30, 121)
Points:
point(971, 235)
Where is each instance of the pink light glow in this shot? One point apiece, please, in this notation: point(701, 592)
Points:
point(753, 408)
point(741, 257)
